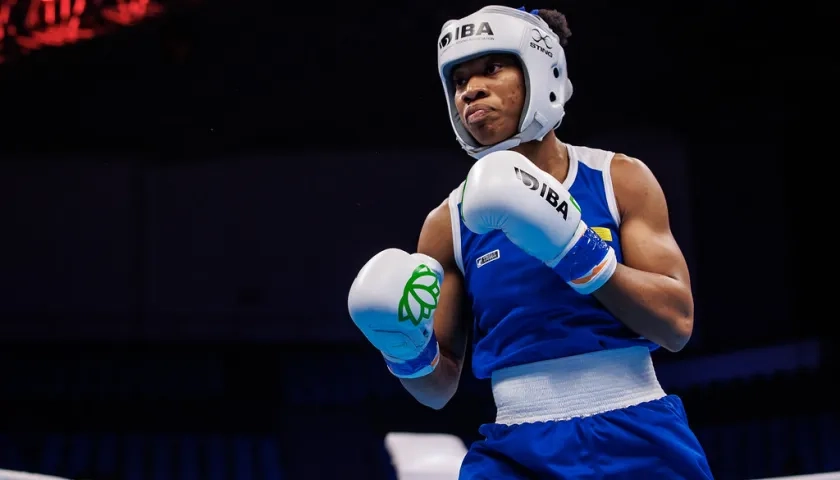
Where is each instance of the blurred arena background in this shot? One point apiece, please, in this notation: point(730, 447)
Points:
point(188, 188)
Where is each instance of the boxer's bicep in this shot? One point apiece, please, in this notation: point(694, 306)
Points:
point(646, 239)
point(451, 328)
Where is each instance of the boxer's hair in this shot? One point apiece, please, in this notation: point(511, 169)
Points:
point(557, 22)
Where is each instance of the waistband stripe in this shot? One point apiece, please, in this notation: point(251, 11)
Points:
point(573, 387)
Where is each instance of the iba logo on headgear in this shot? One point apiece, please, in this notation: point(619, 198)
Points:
point(465, 31)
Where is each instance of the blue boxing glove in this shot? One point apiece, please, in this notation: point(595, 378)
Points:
point(506, 191)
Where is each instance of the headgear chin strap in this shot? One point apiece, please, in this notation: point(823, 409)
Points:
point(497, 29)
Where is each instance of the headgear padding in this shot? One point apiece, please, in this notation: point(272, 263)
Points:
point(496, 29)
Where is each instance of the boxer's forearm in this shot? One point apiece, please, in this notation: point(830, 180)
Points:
point(655, 306)
point(437, 388)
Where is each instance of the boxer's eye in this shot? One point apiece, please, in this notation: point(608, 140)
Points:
point(492, 68)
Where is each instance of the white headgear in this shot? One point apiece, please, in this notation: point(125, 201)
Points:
point(496, 29)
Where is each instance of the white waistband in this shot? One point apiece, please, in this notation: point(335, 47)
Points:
point(572, 387)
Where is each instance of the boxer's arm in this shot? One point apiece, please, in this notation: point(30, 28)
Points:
point(436, 389)
point(651, 291)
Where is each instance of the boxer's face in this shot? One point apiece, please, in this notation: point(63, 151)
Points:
point(489, 96)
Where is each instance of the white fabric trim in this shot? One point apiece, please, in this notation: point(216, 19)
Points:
point(595, 159)
point(573, 387)
point(455, 217)
point(610, 191)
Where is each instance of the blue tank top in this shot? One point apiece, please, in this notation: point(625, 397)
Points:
point(524, 312)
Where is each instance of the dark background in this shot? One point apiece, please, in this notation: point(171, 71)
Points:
point(186, 200)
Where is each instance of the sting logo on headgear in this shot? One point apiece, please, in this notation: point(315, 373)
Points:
point(536, 38)
point(466, 31)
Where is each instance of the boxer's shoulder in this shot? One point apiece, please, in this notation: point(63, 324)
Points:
point(633, 182)
point(622, 163)
point(436, 235)
point(439, 218)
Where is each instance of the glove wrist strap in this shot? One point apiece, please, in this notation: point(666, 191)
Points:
point(588, 264)
point(422, 365)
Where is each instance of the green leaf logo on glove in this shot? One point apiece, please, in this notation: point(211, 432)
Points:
point(420, 295)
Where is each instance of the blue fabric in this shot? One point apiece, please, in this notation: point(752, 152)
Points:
point(650, 440)
point(535, 11)
point(525, 312)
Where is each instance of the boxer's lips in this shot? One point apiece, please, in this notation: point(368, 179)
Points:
point(476, 113)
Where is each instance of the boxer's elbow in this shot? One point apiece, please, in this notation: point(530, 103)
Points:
point(681, 327)
point(676, 318)
point(430, 393)
point(436, 402)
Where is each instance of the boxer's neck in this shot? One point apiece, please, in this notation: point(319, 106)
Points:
point(548, 154)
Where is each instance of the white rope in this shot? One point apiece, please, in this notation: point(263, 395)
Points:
point(815, 476)
point(12, 475)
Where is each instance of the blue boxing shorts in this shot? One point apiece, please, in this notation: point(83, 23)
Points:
point(601, 415)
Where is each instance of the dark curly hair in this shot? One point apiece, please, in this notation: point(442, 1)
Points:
point(557, 22)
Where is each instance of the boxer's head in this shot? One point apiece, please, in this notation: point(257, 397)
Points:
point(504, 75)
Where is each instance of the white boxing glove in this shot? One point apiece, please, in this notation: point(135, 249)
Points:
point(393, 301)
point(506, 191)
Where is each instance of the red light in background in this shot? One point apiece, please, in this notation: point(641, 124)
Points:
point(129, 12)
point(27, 25)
